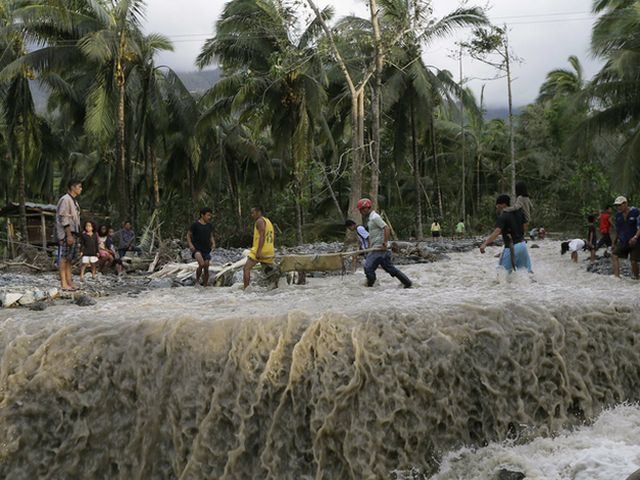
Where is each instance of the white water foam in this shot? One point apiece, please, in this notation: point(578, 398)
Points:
point(607, 450)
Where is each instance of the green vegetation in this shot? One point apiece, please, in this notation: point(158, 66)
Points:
point(309, 113)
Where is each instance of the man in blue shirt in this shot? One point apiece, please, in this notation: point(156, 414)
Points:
point(627, 235)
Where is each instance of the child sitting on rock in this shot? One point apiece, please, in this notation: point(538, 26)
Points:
point(89, 248)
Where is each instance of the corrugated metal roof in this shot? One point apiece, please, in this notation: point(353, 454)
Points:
point(14, 207)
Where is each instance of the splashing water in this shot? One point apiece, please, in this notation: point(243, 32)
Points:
point(606, 450)
point(328, 380)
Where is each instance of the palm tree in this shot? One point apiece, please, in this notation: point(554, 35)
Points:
point(272, 76)
point(16, 101)
point(614, 91)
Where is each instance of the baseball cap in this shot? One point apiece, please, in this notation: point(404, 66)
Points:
point(363, 203)
point(620, 200)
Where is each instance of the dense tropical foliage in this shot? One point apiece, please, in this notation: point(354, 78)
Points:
point(310, 110)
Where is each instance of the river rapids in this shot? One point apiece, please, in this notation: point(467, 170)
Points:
point(469, 372)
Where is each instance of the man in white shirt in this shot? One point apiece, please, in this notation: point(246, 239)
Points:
point(379, 233)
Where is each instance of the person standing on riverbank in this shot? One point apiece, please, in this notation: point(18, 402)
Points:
point(510, 225)
point(591, 236)
point(627, 235)
point(460, 229)
point(263, 249)
point(523, 202)
point(379, 233)
point(67, 232)
point(201, 243)
point(89, 249)
point(436, 229)
point(605, 221)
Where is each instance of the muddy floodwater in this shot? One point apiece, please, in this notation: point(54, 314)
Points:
point(470, 372)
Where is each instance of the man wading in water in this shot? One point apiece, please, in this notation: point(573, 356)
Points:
point(379, 233)
point(510, 226)
point(263, 250)
point(201, 243)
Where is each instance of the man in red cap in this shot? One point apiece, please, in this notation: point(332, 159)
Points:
point(379, 233)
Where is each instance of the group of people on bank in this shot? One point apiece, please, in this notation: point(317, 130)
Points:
point(626, 223)
point(97, 247)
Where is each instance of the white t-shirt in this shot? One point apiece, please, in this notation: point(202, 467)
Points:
point(363, 235)
point(576, 244)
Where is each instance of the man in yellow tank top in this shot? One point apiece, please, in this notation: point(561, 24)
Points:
point(263, 250)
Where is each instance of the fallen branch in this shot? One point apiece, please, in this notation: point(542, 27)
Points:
point(20, 264)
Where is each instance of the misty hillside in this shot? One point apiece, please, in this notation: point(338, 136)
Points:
point(196, 81)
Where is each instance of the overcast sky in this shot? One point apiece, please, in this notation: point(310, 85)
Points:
point(542, 33)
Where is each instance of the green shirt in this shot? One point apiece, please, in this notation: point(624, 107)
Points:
point(460, 227)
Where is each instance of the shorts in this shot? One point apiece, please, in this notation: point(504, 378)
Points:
point(521, 254)
point(263, 260)
point(627, 250)
point(89, 260)
point(69, 252)
point(435, 234)
point(205, 256)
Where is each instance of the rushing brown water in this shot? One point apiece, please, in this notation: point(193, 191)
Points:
point(326, 381)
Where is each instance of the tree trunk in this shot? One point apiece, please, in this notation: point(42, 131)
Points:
point(22, 188)
point(416, 176)
point(154, 175)
point(435, 165)
point(512, 147)
point(299, 219)
point(356, 154)
point(376, 97)
point(463, 143)
point(121, 164)
point(375, 140)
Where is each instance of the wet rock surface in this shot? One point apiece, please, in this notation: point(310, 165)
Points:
point(603, 266)
point(505, 474)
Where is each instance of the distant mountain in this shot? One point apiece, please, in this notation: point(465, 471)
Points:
point(196, 82)
point(199, 81)
point(492, 113)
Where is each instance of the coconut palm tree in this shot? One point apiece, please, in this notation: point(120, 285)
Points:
point(614, 91)
point(272, 75)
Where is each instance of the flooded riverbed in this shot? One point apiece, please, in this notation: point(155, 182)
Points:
point(327, 380)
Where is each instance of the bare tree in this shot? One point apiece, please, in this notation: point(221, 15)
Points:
point(491, 46)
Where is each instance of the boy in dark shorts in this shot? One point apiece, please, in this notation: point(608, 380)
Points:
point(201, 243)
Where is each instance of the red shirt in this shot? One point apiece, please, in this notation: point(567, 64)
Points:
point(605, 225)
